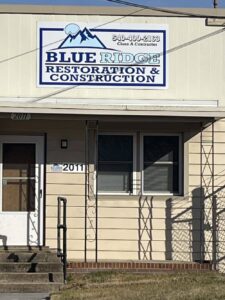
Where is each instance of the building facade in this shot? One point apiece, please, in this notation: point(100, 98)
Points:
point(121, 112)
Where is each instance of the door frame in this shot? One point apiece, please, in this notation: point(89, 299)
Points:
point(39, 142)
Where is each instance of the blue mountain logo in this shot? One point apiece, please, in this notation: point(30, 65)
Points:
point(77, 38)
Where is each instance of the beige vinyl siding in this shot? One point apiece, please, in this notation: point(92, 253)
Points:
point(69, 185)
point(131, 227)
point(196, 69)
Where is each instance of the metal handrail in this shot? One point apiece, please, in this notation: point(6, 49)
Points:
point(62, 253)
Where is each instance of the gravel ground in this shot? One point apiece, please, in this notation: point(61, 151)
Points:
point(25, 296)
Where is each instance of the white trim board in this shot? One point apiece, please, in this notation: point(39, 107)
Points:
point(130, 102)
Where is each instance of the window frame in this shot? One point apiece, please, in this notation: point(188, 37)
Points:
point(180, 167)
point(134, 172)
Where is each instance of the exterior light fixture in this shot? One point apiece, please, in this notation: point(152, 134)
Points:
point(64, 144)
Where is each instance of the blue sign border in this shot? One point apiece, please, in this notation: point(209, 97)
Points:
point(41, 30)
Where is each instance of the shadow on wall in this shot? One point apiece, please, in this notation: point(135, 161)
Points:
point(184, 228)
point(189, 233)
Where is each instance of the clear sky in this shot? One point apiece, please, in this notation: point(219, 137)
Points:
point(156, 3)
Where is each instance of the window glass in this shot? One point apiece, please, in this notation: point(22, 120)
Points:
point(18, 181)
point(161, 164)
point(115, 163)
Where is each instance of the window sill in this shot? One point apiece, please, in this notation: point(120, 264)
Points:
point(138, 197)
point(114, 194)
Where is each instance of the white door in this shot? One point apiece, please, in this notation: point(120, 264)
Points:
point(21, 190)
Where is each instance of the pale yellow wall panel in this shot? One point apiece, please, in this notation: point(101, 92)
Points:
point(157, 213)
point(71, 233)
point(151, 235)
point(158, 224)
point(118, 245)
point(91, 246)
point(71, 244)
point(158, 203)
point(113, 255)
point(72, 212)
point(219, 147)
point(158, 256)
point(206, 83)
point(127, 245)
point(159, 235)
point(52, 243)
point(219, 137)
point(195, 180)
point(128, 223)
point(118, 223)
point(51, 222)
point(5, 53)
point(219, 159)
point(72, 156)
point(218, 126)
point(195, 148)
point(218, 169)
point(65, 189)
point(195, 137)
point(65, 178)
point(194, 159)
point(75, 255)
point(110, 203)
point(119, 234)
point(51, 200)
point(75, 245)
point(125, 212)
point(118, 213)
point(130, 212)
point(131, 202)
point(194, 169)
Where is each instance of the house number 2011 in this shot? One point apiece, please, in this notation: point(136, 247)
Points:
point(68, 167)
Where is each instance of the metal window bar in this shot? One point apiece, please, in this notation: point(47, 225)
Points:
point(208, 197)
point(96, 193)
point(91, 188)
point(86, 189)
point(62, 252)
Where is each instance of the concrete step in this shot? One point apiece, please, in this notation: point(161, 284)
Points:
point(29, 287)
point(30, 270)
point(31, 267)
point(33, 257)
point(31, 277)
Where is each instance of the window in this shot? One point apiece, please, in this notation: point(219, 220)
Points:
point(161, 164)
point(115, 163)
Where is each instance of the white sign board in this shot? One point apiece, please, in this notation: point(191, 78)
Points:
point(90, 55)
